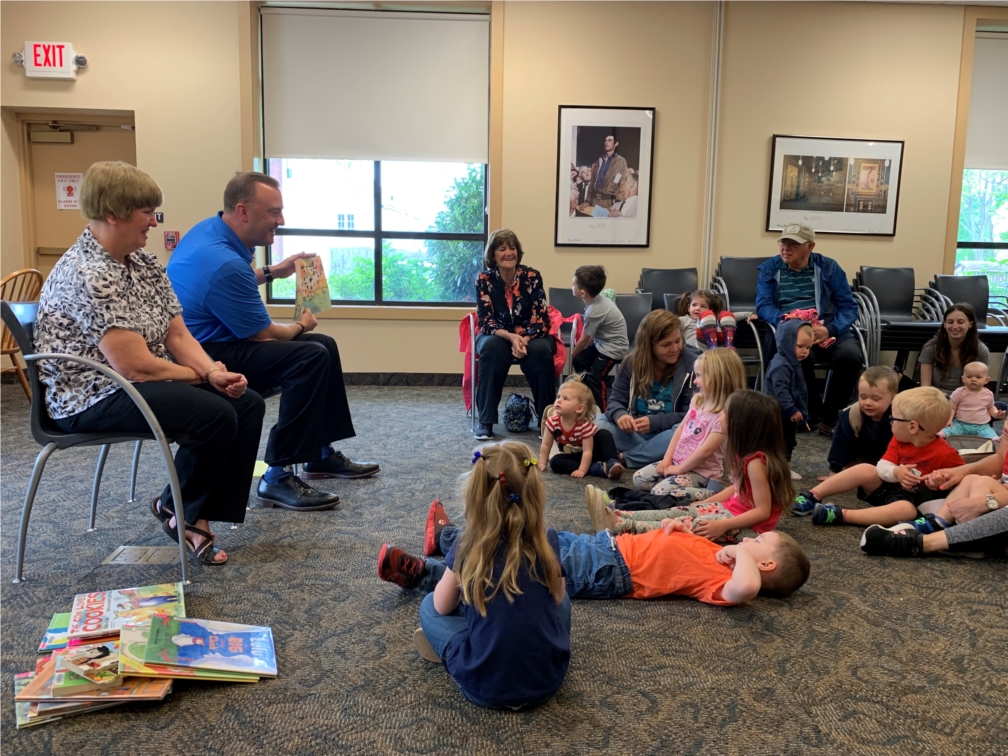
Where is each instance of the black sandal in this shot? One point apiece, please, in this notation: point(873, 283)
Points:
point(206, 551)
point(162, 513)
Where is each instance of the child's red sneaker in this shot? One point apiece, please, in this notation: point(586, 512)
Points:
point(436, 522)
point(399, 567)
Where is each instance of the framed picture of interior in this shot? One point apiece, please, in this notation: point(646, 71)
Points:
point(603, 191)
point(837, 186)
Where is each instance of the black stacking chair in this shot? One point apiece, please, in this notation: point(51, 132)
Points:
point(666, 282)
point(635, 308)
point(735, 280)
point(20, 317)
point(907, 317)
point(567, 304)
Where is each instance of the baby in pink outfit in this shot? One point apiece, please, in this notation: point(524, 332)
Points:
point(973, 405)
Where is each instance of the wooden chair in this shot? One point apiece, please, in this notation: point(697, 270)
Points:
point(20, 286)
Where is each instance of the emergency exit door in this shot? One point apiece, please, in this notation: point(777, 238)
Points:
point(54, 230)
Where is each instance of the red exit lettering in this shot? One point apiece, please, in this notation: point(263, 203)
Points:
point(47, 56)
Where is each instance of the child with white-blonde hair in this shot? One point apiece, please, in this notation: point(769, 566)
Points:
point(973, 405)
point(585, 449)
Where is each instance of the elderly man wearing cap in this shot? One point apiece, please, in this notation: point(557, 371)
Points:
point(800, 279)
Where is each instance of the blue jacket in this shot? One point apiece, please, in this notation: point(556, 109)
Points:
point(784, 378)
point(833, 299)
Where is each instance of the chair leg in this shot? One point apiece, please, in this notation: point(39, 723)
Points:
point(133, 471)
point(102, 456)
point(21, 376)
point(33, 482)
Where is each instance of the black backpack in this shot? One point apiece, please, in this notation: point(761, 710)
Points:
point(517, 413)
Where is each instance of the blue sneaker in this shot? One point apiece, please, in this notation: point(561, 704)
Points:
point(827, 514)
point(929, 523)
point(804, 504)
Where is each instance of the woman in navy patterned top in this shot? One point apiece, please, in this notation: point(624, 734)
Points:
point(513, 326)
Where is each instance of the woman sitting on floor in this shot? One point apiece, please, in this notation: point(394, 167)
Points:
point(109, 300)
point(956, 344)
point(652, 391)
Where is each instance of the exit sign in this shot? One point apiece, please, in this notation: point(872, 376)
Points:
point(50, 60)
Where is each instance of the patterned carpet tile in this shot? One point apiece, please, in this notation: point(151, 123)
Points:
point(872, 656)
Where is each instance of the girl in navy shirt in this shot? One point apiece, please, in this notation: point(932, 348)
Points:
point(498, 617)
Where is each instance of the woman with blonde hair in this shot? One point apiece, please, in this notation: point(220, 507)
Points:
point(109, 300)
point(652, 391)
point(498, 617)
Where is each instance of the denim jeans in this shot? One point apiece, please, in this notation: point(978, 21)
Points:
point(594, 566)
point(639, 449)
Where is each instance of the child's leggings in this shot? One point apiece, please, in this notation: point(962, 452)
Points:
point(603, 450)
point(650, 519)
point(688, 485)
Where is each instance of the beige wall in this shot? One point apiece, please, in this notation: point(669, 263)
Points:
point(649, 55)
point(177, 66)
point(861, 70)
point(174, 64)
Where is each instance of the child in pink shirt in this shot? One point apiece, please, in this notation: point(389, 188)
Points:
point(973, 405)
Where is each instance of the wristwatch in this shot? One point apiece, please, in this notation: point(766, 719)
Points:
point(991, 503)
point(267, 274)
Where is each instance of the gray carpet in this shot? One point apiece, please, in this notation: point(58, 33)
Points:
point(872, 656)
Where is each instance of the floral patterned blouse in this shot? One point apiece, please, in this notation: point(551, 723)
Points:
point(519, 308)
point(87, 293)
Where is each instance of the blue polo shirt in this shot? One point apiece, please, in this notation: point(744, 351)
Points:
point(211, 272)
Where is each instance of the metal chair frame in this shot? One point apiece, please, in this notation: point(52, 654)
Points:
point(719, 287)
point(50, 440)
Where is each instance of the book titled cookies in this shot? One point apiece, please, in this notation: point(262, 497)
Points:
point(102, 613)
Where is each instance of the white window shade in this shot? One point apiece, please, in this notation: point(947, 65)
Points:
point(375, 86)
point(987, 134)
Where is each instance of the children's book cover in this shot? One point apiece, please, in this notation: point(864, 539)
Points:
point(67, 683)
point(87, 660)
point(40, 688)
point(95, 614)
point(206, 644)
point(133, 648)
point(312, 289)
point(56, 634)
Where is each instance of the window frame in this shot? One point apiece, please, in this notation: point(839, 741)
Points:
point(380, 236)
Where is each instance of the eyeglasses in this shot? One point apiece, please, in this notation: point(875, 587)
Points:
point(894, 419)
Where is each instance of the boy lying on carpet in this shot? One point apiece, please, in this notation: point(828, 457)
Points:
point(668, 562)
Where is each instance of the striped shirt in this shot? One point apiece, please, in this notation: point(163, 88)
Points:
point(573, 438)
point(796, 290)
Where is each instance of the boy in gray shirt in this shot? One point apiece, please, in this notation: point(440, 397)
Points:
point(604, 341)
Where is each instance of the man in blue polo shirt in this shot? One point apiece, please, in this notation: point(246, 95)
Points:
point(212, 274)
point(801, 279)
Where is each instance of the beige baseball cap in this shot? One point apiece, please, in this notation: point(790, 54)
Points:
point(799, 232)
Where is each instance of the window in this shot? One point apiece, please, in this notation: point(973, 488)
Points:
point(383, 171)
point(982, 247)
point(388, 232)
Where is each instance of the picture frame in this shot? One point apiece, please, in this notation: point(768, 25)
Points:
point(603, 188)
point(836, 185)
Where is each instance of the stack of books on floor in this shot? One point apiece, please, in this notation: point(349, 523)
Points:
point(115, 647)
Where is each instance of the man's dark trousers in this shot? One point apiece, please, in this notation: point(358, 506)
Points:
point(313, 404)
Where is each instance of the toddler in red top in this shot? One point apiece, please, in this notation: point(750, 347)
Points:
point(585, 449)
point(896, 487)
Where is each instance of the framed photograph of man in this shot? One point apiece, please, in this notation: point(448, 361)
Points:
point(837, 186)
point(603, 193)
